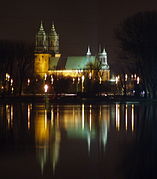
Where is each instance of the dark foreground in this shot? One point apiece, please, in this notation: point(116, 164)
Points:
point(100, 141)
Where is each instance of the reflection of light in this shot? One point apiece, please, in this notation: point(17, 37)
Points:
point(56, 147)
point(52, 116)
point(11, 115)
point(117, 116)
point(89, 141)
point(126, 117)
point(8, 115)
point(104, 130)
point(29, 113)
point(82, 116)
point(46, 88)
point(57, 113)
point(83, 82)
point(100, 113)
point(45, 119)
point(90, 118)
point(132, 117)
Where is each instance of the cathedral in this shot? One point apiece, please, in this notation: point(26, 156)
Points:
point(49, 61)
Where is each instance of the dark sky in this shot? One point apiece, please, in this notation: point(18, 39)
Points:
point(79, 23)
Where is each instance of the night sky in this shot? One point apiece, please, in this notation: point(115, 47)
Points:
point(79, 23)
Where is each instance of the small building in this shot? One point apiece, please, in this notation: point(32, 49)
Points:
point(48, 60)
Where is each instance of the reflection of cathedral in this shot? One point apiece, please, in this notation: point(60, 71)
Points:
point(49, 61)
point(78, 122)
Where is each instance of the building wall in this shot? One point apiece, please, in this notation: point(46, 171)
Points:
point(41, 64)
point(41, 67)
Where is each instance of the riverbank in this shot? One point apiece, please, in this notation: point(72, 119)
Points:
point(73, 99)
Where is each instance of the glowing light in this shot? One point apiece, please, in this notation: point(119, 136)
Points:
point(138, 80)
point(135, 76)
point(78, 80)
point(126, 77)
point(83, 78)
point(12, 90)
point(117, 79)
point(45, 77)
point(28, 81)
point(57, 55)
point(73, 80)
point(7, 76)
point(46, 88)
point(90, 75)
point(52, 80)
point(100, 80)
point(11, 82)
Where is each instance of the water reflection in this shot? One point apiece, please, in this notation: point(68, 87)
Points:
point(75, 122)
point(96, 131)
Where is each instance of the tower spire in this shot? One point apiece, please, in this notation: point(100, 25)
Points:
point(53, 27)
point(41, 26)
point(88, 52)
point(105, 55)
point(53, 40)
point(41, 39)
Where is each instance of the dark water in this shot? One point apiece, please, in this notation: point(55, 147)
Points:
point(78, 141)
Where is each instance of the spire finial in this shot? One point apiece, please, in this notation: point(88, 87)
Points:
point(53, 26)
point(88, 51)
point(104, 52)
point(41, 26)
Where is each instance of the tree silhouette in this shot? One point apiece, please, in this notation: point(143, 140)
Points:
point(16, 58)
point(137, 36)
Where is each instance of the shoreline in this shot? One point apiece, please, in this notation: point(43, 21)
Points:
point(61, 99)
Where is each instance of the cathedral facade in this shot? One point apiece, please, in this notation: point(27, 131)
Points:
point(49, 61)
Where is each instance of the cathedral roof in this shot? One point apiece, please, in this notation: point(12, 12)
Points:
point(71, 62)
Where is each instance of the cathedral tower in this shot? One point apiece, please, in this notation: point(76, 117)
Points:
point(105, 69)
point(53, 41)
point(41, 40)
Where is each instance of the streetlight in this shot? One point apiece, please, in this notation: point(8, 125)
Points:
point(46, 88)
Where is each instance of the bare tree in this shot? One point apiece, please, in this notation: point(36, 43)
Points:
point(137, 36)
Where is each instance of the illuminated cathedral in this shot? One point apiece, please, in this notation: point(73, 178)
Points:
point(49, 61)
